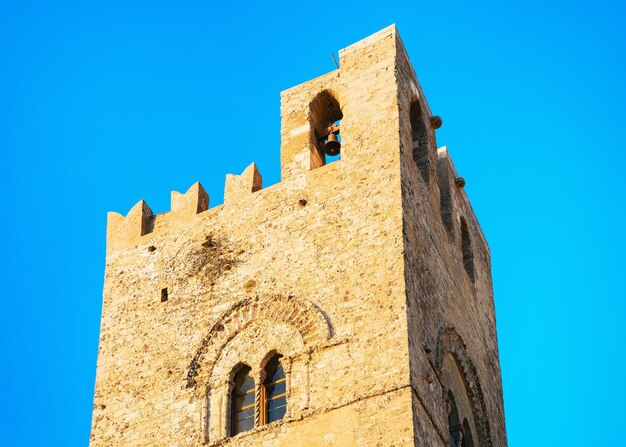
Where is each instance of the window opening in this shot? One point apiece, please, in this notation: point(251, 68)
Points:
point(242, 402)
point(468, 253)
point(454, 425)
point(445, 196)
point(164, 295)
point(419, 138)
point(274, 398)
point(468, 440)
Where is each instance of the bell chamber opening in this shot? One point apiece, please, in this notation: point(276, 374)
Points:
point(325, 118)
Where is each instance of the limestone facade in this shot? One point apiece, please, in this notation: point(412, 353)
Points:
point(369, 275)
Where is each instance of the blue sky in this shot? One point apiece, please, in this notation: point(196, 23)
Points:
point(105, 104)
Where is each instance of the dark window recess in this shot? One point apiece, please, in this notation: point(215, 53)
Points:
point(445, 196)
point(419, 139)
point(468, 439)
point(164, 295)
point(454, 425)
point(468, 253)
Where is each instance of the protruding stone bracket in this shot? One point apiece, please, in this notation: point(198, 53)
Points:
point(435, 121)
point(125, 230)
point(185, 206)
point(239, 186)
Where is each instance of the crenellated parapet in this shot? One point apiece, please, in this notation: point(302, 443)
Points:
point(140, 222)
point(342, 97)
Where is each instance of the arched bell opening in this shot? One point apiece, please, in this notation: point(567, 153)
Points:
point(325, 120)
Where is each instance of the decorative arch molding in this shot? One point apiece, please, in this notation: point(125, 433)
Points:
point(305, 317)
point(450, 342)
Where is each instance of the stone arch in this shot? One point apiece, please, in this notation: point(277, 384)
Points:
point(450, 342)
point(305, 317)
point(267, 357)
point(253, 345)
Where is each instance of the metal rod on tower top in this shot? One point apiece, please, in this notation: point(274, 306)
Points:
point(336, 63)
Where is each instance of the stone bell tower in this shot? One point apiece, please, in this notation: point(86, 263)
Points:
point(350, 304)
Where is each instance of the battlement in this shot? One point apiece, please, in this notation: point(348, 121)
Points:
point(141, 223)
point(305, 115)
point(341, 96)
point(125, 231)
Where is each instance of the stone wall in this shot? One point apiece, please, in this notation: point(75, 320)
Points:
point(443, 298)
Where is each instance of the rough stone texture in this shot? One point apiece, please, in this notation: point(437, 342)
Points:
point(345, 269)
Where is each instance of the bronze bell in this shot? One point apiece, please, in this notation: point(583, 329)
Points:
point(332, 145)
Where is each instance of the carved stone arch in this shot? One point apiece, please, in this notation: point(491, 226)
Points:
point(305, 317)
point(450, 342)
point(252, 345)
point(267, 357)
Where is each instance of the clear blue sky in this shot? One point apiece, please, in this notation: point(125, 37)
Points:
point(105, 104)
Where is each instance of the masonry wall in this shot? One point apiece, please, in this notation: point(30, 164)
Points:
point(312, 267)
point(449, 314)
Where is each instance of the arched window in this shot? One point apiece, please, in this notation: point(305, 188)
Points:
point(420, 140)
point(242, 402)
point(445, 197)
point(468, 253)
point(274, 400)
point(468, 440)
point(454, 425)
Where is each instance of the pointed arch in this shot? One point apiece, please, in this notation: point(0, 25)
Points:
point(450, 342)
point(468, 440)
